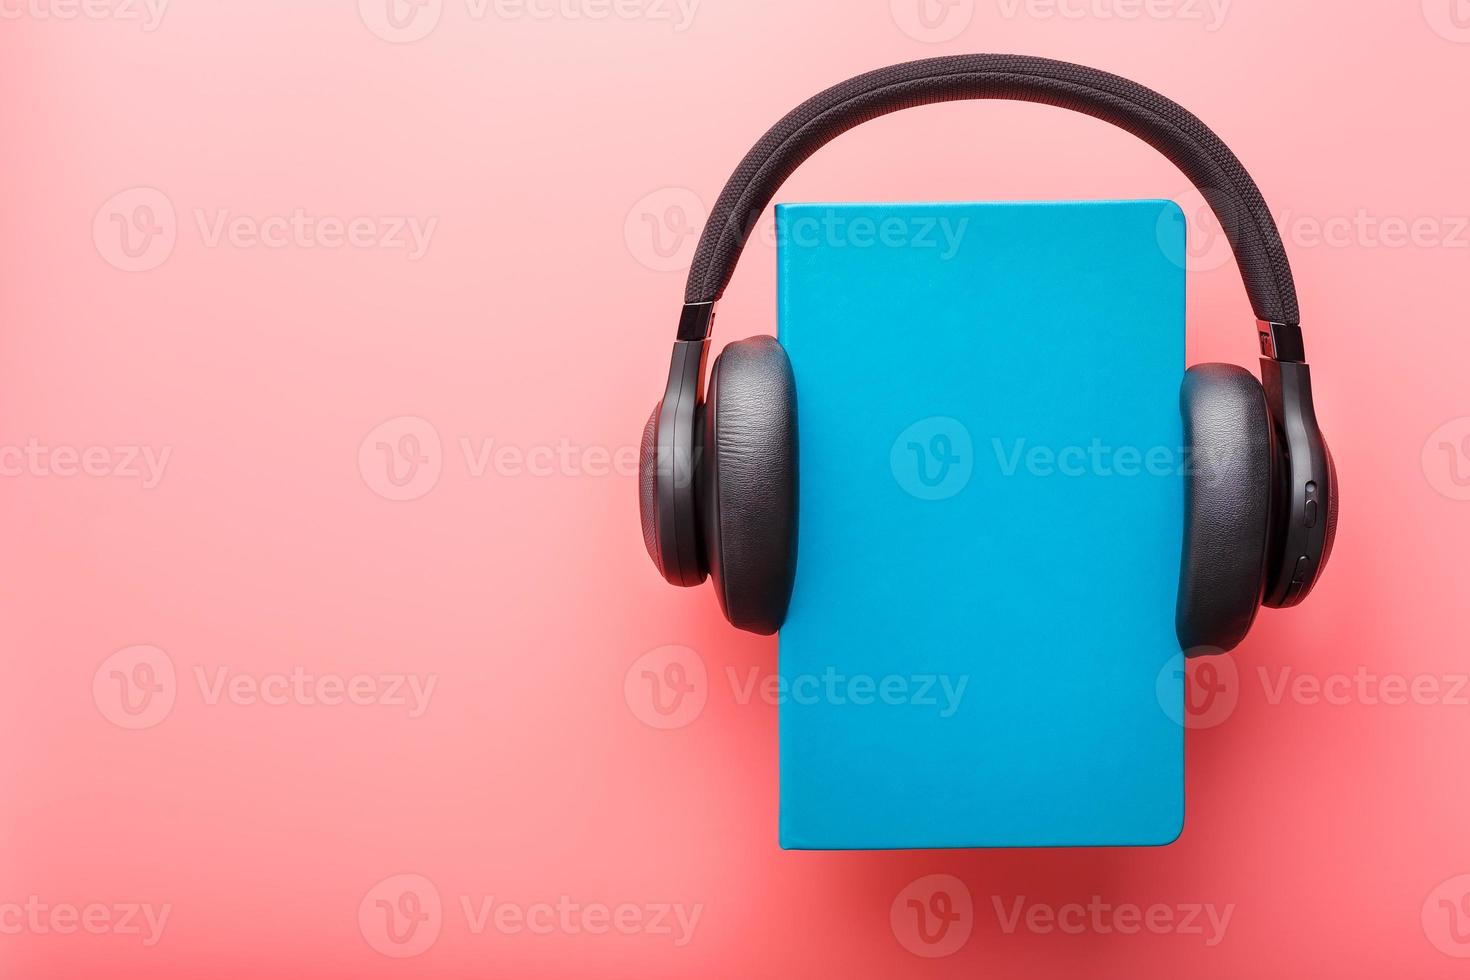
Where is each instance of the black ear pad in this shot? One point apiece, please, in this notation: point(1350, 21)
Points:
point(747, 489)
point(648, 489)
point(1227, 506)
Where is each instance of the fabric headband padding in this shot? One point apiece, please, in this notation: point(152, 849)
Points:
point(1168, 127)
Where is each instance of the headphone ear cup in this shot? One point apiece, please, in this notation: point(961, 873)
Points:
point(748, 486)
point(1227, 505)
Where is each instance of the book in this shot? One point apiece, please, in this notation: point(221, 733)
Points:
point(980, 649)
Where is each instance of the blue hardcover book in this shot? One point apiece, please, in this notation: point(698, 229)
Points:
point(980, 650)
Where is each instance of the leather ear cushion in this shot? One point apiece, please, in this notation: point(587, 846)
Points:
point(648, 488)
point(748, 490)
point(1226, 506)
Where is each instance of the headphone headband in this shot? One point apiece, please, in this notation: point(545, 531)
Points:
point(1162, 123)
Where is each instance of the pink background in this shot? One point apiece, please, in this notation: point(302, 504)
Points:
point(542, 150)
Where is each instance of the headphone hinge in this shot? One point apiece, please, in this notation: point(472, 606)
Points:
point(1281, 341)
point(696, 321)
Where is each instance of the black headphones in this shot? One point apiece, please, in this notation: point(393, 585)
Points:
point(717, 469)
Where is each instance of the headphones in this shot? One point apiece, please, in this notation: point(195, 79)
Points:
point(717, 466)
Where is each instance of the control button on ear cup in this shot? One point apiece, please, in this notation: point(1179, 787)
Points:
point(1227, 506)
point(748, 484)
point(648, 489)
